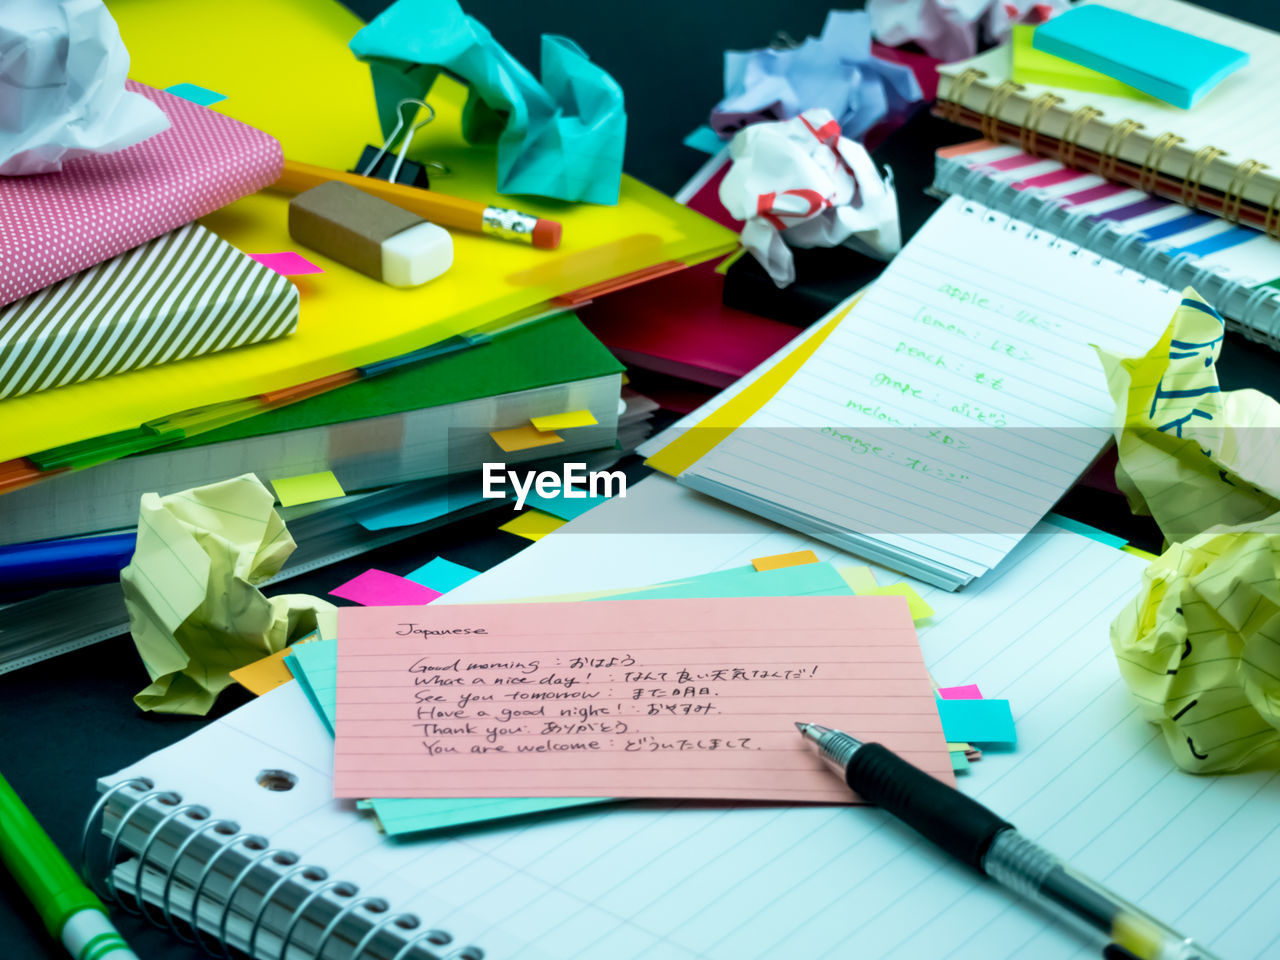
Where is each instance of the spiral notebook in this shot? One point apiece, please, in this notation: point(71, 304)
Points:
point(1223, 155)
point(937, 423)
point(1235, 268)
point(1090, 779)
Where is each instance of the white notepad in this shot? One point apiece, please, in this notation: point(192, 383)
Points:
point(1089, 778)
point(953, 407)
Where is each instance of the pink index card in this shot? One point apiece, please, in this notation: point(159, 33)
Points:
point(377, 588)
point(287, 263)
point(969, 691)
point(632, 698)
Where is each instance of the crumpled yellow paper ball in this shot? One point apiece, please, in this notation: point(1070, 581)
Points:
point(1200, 647)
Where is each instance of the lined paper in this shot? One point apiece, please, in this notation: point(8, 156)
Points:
point(634, 698)
point(1089, 779)
point(958, 402)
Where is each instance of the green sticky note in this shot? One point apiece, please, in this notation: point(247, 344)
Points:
point(307, 488)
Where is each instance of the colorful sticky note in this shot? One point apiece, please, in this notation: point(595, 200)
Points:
point(780, 560)
point(287, 263)
point(978, 721)
point(919, 609)
point(959, 747)
point(196, 94)
point(959, 762)
point(564, 507)
point(1030, 65)
point(532, 524)
point(442, 575)
point(271, 671)
point(1173, 65)
point(969, 691)
point(564, 421)
point(307, 488)
point(860, 579)
point(523, 438)
point(377, 588)
point(704, 140)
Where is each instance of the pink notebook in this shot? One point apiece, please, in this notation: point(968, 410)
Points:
point(57, 224)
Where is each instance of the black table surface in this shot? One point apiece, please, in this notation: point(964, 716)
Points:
point(67, 721)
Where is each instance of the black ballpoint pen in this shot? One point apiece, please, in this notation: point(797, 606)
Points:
point(972, 833)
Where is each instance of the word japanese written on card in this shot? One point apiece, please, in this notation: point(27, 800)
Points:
point(633, 698)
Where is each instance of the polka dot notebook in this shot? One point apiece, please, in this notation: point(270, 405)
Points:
point(57, 224)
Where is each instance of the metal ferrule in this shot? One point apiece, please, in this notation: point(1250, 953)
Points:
point(837, 749)
point(508, 224)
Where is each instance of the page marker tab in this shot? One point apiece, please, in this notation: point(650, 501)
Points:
point(287, 263)
point(523, 438)
point(780, 560)
point(704, 140)
point(969, 691)
point(919, 609)
point(977, 721)
point(307, 488)
point(959, 762)
point(960, 747)
point(377, 588)
point(442, 575)
point(564, 421)
point(196, 94)
point(860, 579)
point(566, 508)
point(263, 676)
point(532, 524)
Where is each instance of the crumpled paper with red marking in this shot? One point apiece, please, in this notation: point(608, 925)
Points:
point(800, 182)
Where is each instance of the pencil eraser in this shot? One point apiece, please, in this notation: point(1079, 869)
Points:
point(370, 235)
point(546, 234)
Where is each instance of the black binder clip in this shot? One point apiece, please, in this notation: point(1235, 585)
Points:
point(382, 164)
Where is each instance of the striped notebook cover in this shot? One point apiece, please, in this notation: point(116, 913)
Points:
point(57, 224)
point(1235, 268)
point(186, 293)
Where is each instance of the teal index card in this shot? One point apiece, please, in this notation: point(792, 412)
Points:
point(1177, 67)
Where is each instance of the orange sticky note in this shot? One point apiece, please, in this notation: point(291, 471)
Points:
point(780, 560)
point(532, 524)
point(523, 438)
point(564, 421)
point(631, 698)
point(270, 672)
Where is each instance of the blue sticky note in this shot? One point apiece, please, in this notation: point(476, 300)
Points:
point(189, 91)
point(704, 140)
point(566, 508)
point(1093, 533)
point(442, 575)
point(1174, 66)
point(977, 721)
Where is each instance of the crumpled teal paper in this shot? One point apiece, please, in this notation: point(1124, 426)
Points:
point(561, 138)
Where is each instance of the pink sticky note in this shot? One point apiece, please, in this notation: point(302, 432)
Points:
point(631, 698)
point(969, 691)
point(377, 588)
point(287, 263)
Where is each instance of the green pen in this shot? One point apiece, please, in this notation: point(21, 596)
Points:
point(71, 911)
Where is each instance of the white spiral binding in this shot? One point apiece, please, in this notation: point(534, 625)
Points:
point(199, 822)
point(1258, 308)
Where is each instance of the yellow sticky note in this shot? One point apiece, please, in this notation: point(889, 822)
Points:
point(564, 421)
point(780, 560)
point(919, 609)
point(860, 579)
point(533, 524)
point(307, 488)
point(523, 438)
point(1138, 552)
point(959, 747)
point(263, 676)
point(1030, 65)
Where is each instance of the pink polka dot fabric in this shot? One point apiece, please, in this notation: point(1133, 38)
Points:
point(55, 224)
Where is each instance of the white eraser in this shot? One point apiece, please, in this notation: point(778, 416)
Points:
point(416, 255)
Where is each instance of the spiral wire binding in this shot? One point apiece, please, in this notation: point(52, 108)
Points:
point(1039, 109)
point(1271, 223)
point(1070, 138)
point(959, 90)
point(1195, 173)
point(1234, 195)
point(259, 854)
point(1037, 208)
point(990, 124)
point(1110, 154)
point(1150, 171)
